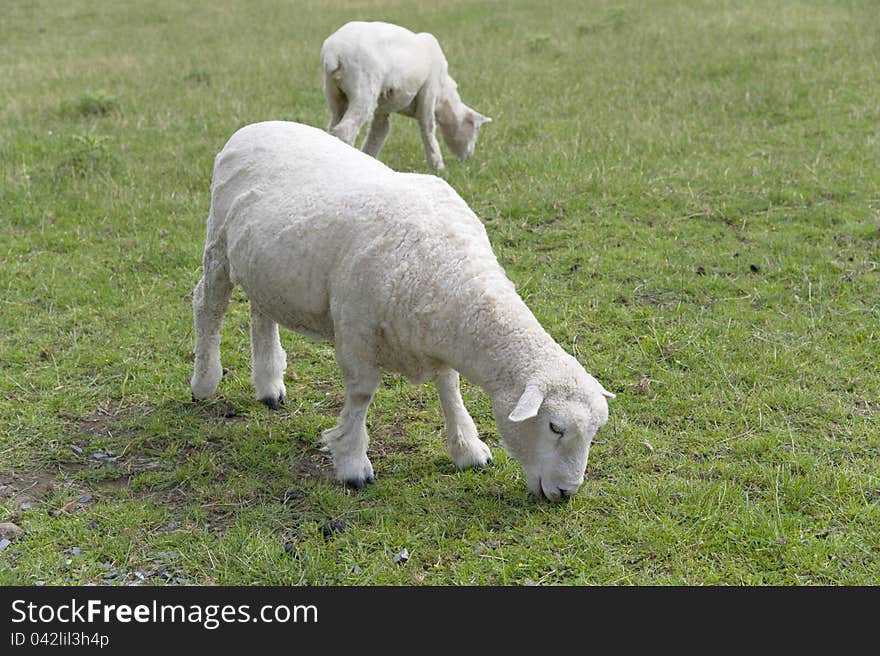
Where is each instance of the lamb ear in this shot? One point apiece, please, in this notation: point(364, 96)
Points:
point(604, 392)
point(478, 119)
point(528, 404)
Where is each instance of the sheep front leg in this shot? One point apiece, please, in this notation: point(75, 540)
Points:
point(210, 300)
point(380, 127)
point(464, 446)
point(427, 128)
point(268, 360)
point(348, 440)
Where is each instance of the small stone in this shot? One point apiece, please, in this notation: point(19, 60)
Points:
point(331, 527)
point(84, 499)
point(76, 449)
point(76, 551)
point(754, 268)
point(401, 556)
point(356, 569)
point(4, 543)
point(701, 271)
point(291, 493)
point(289, 547)
point(27, 505)
point(9, 531)
point(643, 386)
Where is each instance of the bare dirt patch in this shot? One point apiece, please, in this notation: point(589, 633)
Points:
point(664, 299)
point(389, 439)
point(312, 466)
point(864, 407)
point(26, 489)
point(104, 419)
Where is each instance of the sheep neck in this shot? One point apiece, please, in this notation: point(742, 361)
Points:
point(503, 344)
point(450, 110)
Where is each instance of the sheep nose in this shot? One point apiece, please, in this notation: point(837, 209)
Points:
point(566, 493)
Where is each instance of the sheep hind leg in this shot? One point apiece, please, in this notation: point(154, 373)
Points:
point(462, 442)
point(348, 440)
point(360, 109)
point(337, 103)
point(268, 360)
point(210, 301)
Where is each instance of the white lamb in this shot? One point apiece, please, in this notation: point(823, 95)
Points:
point(374, 69)
point(397, 271)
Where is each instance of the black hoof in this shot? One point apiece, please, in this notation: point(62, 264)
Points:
point(485, 466)
point(359, 483)
point(273, 404)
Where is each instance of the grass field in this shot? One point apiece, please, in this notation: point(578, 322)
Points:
point(685, 193)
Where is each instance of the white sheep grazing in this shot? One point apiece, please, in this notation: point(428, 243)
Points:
point(397, 271)
point(374, 69)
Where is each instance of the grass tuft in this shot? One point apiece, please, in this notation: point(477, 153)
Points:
point(91, 104)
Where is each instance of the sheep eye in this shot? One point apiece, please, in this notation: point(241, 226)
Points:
point(556, 429)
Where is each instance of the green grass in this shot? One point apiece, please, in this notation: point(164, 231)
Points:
point(685, 193)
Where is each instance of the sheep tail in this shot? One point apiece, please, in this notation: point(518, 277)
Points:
point(330, 62)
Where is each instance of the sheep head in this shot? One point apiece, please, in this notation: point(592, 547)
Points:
point(549, 426)
point(460, 130)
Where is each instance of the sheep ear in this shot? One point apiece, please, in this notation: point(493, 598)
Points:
point(528, 404)
point(478, 119)
point(604, 392)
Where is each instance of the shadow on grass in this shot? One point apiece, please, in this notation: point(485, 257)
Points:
point(227, 456)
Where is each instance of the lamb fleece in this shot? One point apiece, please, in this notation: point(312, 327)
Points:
point(374, 69)
point(393, 268)
point(334, 244)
